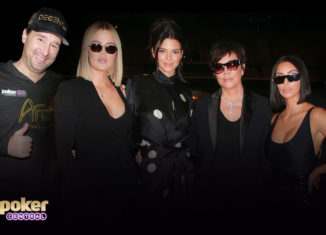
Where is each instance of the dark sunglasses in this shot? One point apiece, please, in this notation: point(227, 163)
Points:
point(232, 65)
point(96, 47)
point(290, 77)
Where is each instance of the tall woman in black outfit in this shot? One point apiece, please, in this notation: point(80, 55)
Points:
point(295, 138)
point(93, 121)
point(160, 103)
point(227, 135)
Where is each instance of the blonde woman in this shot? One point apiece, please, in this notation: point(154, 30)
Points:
point(92, 118)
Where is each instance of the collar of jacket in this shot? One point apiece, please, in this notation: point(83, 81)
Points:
point(246, 112)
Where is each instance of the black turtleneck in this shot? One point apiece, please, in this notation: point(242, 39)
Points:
point(165, 80)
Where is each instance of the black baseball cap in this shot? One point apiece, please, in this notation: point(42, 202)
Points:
point(51, 21)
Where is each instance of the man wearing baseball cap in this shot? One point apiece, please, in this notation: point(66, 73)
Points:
point(51, 21)
point(27, 88)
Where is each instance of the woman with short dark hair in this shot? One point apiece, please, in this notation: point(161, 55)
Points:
point(276, 100)
point(227, 134)
point(295, 138)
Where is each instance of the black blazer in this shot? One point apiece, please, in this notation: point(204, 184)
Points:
point(254, 126)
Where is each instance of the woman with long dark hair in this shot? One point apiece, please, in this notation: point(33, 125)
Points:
point(161, 104)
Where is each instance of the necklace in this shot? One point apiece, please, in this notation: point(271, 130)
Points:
point(99, 88)
point(232, 103)
point(100, 92)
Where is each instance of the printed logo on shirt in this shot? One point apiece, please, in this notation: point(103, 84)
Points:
point(39, 116)
point(39, 113)
point(18, 93)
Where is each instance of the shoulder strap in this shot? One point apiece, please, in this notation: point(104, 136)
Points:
point(275, 120)
point(309, 111)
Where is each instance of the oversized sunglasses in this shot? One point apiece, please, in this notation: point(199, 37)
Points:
point(96, 47)
point(232, 65)
point(290, 77)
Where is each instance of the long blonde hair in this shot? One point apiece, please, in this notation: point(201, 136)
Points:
point(116, 71)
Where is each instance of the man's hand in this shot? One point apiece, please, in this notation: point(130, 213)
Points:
point(19, 145)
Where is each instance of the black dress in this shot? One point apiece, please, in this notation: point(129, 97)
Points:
point(99, 180)
point(292, 163)
point(161, 107)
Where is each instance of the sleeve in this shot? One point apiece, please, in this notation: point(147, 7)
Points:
point(7, 126)
point(265, 164)
point(4, 146)
point(130, 97)
point(192, 140)
point(191, 101)
point(66, 119)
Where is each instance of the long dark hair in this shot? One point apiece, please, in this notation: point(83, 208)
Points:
point(276, 100)
point(160, 30)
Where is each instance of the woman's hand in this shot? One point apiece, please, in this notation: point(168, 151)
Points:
point(314, 180)
point(138, 157)
point(123, 89)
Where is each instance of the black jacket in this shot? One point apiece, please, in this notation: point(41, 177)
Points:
point(254, 125)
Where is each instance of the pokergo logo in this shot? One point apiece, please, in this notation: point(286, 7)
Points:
point(24, 210)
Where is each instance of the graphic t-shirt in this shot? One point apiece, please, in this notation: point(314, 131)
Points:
point(23, 101)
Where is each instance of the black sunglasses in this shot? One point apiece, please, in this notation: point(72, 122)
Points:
point(290, 77)
point(96, 47)
point(232, 65)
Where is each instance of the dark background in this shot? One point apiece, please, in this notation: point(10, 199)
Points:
point(267, 30)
